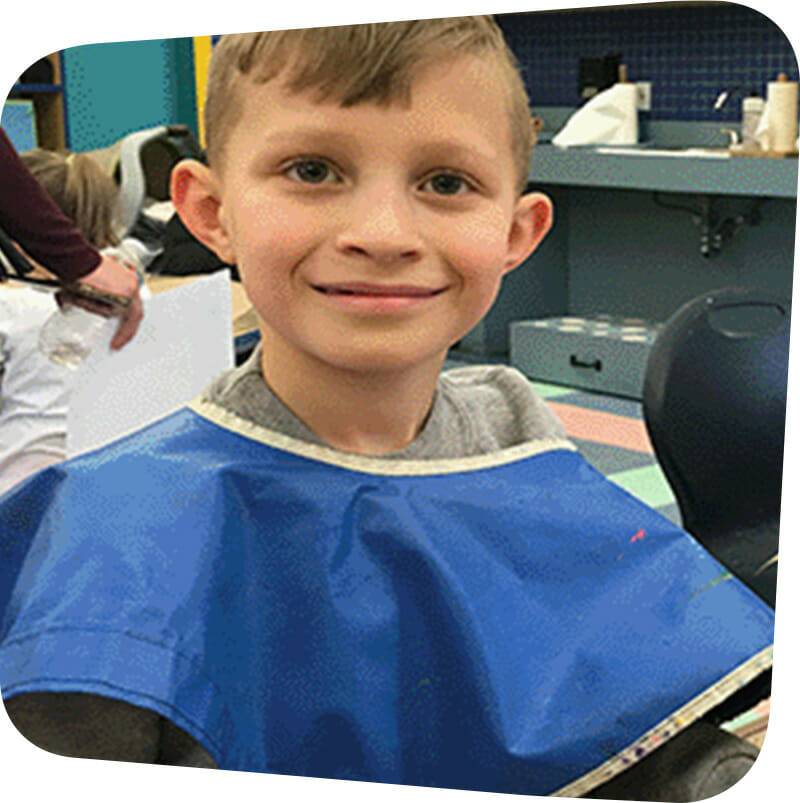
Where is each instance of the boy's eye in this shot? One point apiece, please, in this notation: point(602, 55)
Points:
point(447, 184)
point(311, 171)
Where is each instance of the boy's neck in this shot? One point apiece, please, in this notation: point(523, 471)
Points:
point(364, 413)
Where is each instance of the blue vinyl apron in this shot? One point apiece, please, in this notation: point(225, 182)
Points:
point(508, 623)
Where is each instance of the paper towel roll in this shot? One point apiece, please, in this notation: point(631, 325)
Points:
point(782, 122)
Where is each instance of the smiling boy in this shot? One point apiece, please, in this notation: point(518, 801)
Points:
point(373, 218)
point(339, 561)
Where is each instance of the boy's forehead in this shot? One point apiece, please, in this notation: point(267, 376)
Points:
point(469, 85)
point(456, 102)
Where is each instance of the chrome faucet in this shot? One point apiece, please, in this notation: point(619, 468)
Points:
point(733, 134)
point(724, 95)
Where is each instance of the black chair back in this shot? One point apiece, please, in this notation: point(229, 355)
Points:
point(715, 408)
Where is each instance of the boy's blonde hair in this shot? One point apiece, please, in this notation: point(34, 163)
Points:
point(359, 63)
point(81, 189)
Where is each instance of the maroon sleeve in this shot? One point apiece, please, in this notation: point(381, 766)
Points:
point(30, 216)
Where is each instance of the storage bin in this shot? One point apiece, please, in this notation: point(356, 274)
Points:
point(603, 353)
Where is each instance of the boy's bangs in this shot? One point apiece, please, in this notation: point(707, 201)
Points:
point(362, 63)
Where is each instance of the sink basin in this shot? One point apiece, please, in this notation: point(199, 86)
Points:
point(694, 153)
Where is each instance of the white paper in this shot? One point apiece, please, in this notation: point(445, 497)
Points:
point(609, 118)
point(762, 134)
point(184, 341)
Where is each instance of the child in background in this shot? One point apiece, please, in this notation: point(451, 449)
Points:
point(87, 195)
point(29, 216)
point(341, 562)
point(34, 391)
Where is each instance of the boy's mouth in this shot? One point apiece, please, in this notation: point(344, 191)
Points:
point(378, 290)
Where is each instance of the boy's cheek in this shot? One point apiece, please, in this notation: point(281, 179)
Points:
point(480, 258)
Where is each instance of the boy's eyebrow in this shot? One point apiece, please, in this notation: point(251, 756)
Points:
point(293, 134)
point(482, 153)
point(485, 153)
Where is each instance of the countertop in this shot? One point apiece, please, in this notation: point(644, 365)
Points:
point(585, 167)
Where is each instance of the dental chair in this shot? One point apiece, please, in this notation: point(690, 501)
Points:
point(715, 406)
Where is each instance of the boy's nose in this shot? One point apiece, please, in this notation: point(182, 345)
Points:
point(382, 226)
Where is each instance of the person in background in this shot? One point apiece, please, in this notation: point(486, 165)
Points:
point(88, 195)
point(30, 217)
point(83, 192)
point(34, 391)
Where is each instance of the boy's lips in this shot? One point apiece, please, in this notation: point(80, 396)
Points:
point(378, 290)
point(377, 299)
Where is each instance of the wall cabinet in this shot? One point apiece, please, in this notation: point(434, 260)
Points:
point(48, 100)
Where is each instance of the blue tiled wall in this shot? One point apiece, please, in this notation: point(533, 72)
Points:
point(689, 54)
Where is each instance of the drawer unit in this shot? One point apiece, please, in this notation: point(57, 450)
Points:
point(602, 353)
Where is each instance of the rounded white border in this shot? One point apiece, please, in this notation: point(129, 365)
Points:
point(30, 31)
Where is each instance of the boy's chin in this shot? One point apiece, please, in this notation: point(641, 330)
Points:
point(385, 359)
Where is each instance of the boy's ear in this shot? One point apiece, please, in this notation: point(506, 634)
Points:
point(533, 218)
point(194, 193)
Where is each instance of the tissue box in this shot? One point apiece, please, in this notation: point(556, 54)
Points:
point(603, 353)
